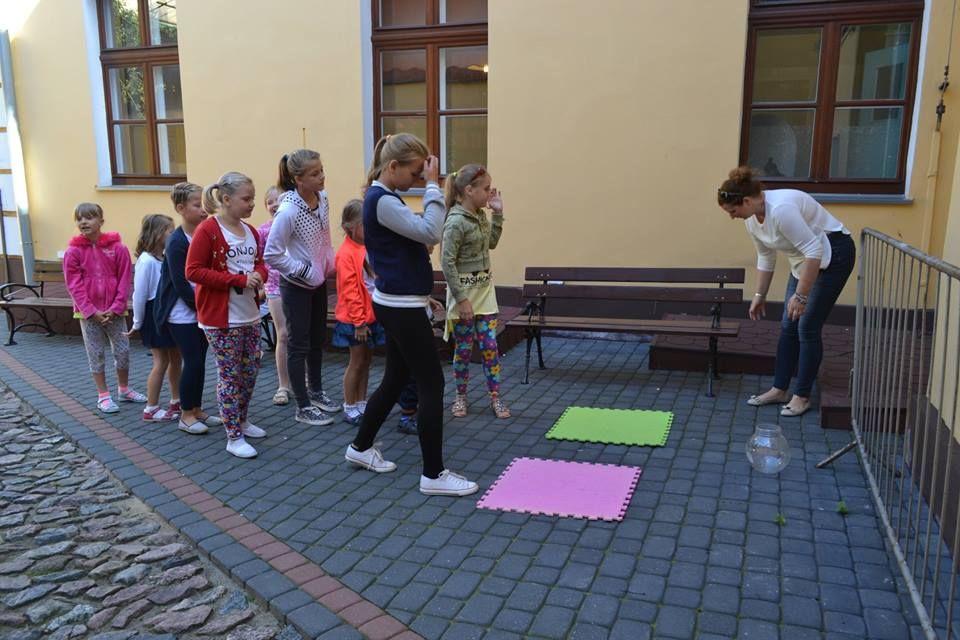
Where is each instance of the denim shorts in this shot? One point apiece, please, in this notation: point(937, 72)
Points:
point(344, 332)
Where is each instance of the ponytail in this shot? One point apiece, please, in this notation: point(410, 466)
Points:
point(285, 181)
point(210, 202)
point(375, 167)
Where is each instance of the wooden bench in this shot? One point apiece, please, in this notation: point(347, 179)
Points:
point(31, 299)
point(578, 291)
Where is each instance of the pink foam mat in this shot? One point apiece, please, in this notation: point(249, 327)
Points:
point(561, 488)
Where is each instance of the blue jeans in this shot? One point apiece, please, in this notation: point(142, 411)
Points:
point(800, 347)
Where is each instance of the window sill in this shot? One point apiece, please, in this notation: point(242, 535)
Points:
point(164, 188)
point(861, 198)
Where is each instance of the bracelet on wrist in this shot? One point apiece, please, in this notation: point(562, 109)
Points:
point(759, 295)
point(800, 298)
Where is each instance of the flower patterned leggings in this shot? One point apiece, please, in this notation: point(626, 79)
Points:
point(237, 352)
point(483, 329)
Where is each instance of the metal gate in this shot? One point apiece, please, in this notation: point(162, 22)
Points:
point(905, 382)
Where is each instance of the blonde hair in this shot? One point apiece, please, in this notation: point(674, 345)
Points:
point(457, 182)
point(351, 216)
point(293, 165)
point(227, 185)
point(87, 210)
point(182, 191)
point(271, 190)
point(402, 147)
point(153, 231)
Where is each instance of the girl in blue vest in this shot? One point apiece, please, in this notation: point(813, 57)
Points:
point(396, 240)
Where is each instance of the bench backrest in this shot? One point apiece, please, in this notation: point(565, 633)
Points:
point(629, 291)
point(48, 271)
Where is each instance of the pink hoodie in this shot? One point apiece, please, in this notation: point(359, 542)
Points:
point(98, 277)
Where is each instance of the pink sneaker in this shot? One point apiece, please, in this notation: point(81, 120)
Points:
point(159, 415)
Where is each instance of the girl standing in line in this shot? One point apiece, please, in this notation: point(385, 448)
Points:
point(272, 289)
point(96, 267)
point(357, 327)
point(299, 248)
point(176, 309)
point(472, 307)
point(396, 240)
point(224, 262)
point(155, 230)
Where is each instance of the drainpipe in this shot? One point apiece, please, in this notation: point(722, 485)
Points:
point(16, 157)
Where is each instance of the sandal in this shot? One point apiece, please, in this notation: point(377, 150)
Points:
point(459, 408)
point(281, 397)
point(500, 408)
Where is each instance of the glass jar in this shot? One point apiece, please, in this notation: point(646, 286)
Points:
point(767, 449)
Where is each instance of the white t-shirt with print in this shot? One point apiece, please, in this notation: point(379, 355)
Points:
point(181, 313)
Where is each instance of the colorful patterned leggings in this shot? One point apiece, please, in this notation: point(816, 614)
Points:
point(95, 339)
point(483, 329)
point(237, 352)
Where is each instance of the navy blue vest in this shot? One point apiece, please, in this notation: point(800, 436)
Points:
point(402, 265)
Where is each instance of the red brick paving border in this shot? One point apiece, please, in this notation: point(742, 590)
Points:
point(369, 619)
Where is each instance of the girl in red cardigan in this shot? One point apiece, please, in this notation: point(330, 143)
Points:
point(226, 265)
point(356, 326)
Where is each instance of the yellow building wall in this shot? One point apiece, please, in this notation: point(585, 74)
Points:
point(610, 124)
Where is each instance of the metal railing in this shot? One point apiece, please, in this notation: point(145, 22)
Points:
point(905, 383)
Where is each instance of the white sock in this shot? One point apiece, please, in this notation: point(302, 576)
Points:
point(362, 406)
point(349, 407)
point(151, 407)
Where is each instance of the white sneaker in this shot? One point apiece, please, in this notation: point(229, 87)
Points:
point(448, 484)
point(195, 429)
point(370, 459)
point(251, 430)
point(107, 405)
point(240, 448)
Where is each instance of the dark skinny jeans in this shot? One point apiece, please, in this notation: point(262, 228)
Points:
point(410, 353)
point(800, 348)
point(192, 343)
point(306, 312)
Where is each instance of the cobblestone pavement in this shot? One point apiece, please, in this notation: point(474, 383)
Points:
point(702, 551)
point(81, 558)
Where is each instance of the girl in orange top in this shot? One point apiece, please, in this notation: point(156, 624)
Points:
point(357, 327)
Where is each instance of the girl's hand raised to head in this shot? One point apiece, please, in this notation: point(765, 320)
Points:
point(495, 202)
point(431, 169)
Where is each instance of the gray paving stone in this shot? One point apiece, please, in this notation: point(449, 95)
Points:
point(552, 622)
point(313, 619)
point(676, 622)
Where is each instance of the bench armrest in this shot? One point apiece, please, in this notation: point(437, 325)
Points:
point(9, 291)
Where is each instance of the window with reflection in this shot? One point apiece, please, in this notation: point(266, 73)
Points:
point(144, 102)
point(829, 93)
point(430, 75)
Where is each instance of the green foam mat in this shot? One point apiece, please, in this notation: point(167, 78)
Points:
point(613, 426)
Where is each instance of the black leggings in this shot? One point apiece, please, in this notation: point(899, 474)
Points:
point(410, 353)
point(192, 343)
point(306, 312)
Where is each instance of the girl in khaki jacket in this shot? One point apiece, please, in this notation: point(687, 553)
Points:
point(468, 236)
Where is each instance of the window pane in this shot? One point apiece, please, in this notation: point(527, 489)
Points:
point(781, 141)
point(121, 20)
point(173, 149)
point(452, 11)
point(163, 21)
point(390, 125)
point(166, 91)
point(463, 74)
point(403, 13)
point(873, 61)
point(131, 148)
point(463, 139)
point(787, 65)
point(126, 93)
point(866, 142)
point(404, 80)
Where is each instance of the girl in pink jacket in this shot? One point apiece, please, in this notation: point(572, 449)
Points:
point(96, 267)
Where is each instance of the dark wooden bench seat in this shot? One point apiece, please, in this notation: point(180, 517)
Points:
point(31, 299)
point(592, 299)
